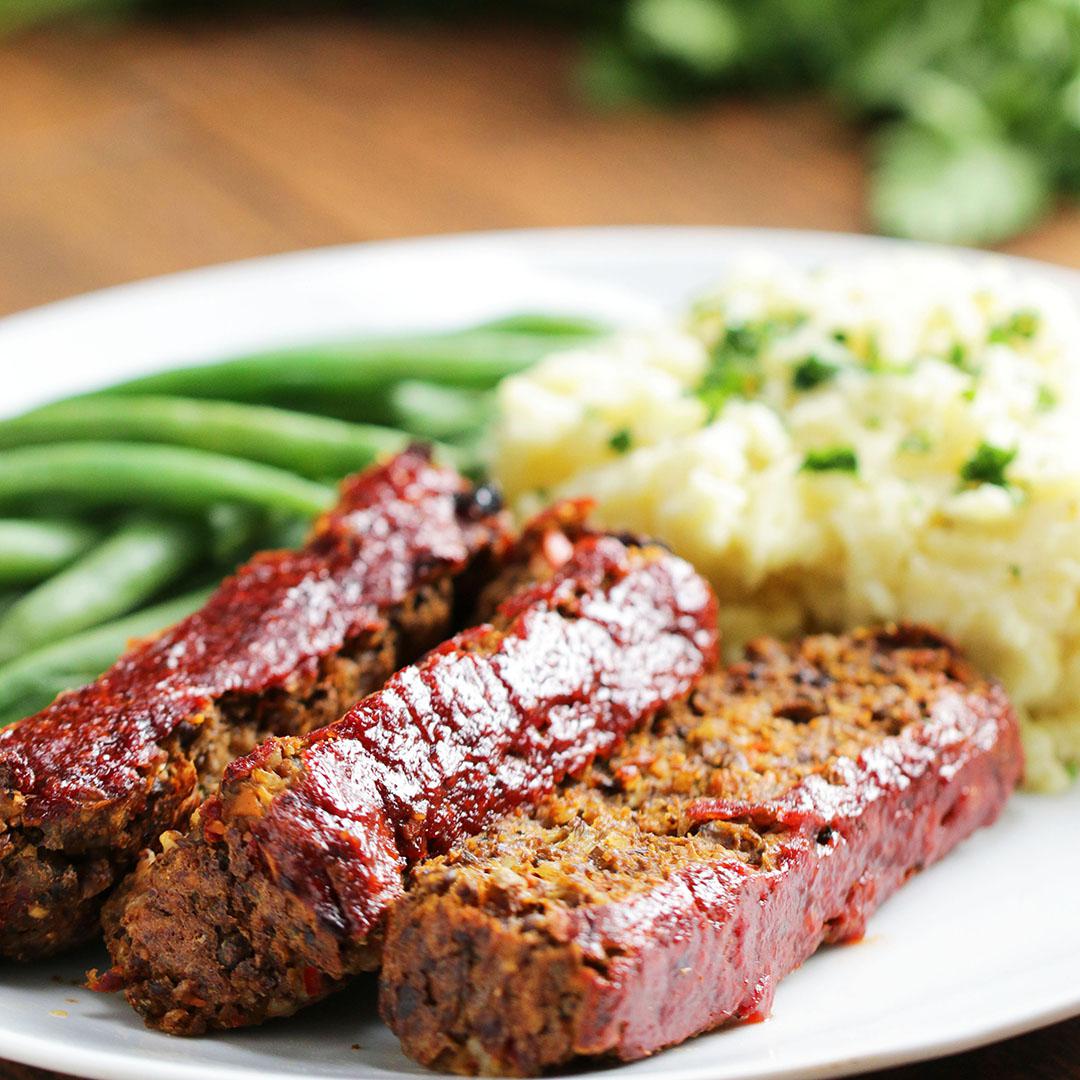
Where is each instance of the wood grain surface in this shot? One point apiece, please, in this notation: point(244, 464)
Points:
point(127, 152)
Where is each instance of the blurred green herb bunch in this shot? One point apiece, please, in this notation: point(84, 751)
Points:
point(974, 104)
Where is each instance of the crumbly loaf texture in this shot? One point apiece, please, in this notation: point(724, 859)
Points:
point(668, 890)
point(90, 781)
point(216, 902)
point(60, 878)
point(230, 925)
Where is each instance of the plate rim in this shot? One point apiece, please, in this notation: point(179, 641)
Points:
point(539, 236)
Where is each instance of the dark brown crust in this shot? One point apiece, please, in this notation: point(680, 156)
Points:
point(92, 780)
point(59, 887)
point(668, 891)
point(279, 891)
point(232, 935)
point(236, 937)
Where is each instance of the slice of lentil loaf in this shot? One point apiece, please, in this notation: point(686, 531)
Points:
point(284, 646)
point(277, 893)
point(669, 889)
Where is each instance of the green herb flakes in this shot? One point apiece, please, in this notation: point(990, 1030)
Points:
point(960, 358)
point(1020, 326)
point(734, 362)
point(1047, 399)
point(876, 362)
point(831, 459)
point(813, 372)
point(987, 465)
point(621, 441)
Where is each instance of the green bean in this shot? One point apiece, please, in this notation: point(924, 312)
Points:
point(169, 477)
point(92, 650)
point(42, 507)
point(43, 692)
point(439, 412)
point(309, 445)
point(354, 370)
point(140, 559)
point(284, 533)
point(32, 550)
point(542, 325)
point(477, 451)
point(235, 531)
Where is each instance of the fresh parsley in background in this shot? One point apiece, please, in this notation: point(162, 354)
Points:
point(973, 105)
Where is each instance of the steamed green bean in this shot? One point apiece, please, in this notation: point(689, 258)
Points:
point(32, 550)
point(543, 325)
point(284, 533)
point(208, 443)
point(141, 558)
point(92, 650)
point(168, 477)
point(355, 370)
point(234, 531)
point(312, 446)
point(438, 412)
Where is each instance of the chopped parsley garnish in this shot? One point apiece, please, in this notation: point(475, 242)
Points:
point(987, 465)
point(1015, 571)
point(733, 369)
point(1020, 326)
point(831, 459)
point(1073, 769)
point(960, 359)
point(734, 363)
point(621, 441)
point(876, 362)
point(737, 379)
point(916, 442)
point(812, 372)
point(1047, 399)
point(746, 339)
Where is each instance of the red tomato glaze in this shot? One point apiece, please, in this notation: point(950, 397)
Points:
point(491, 719)
point(396, 527)
point(710, 944)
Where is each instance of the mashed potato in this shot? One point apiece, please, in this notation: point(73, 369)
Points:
point(865, 441)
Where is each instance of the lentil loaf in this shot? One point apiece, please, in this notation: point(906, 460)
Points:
point(667, 890)
point(277, 893)
point(284, 646)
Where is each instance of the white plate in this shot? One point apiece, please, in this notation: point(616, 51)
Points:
point(982, 946)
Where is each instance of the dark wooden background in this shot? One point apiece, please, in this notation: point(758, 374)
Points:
point(126, 152)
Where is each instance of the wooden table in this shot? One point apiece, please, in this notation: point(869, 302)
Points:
point(126, 153)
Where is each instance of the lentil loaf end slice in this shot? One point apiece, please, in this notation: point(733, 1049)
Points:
point(670, 888)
